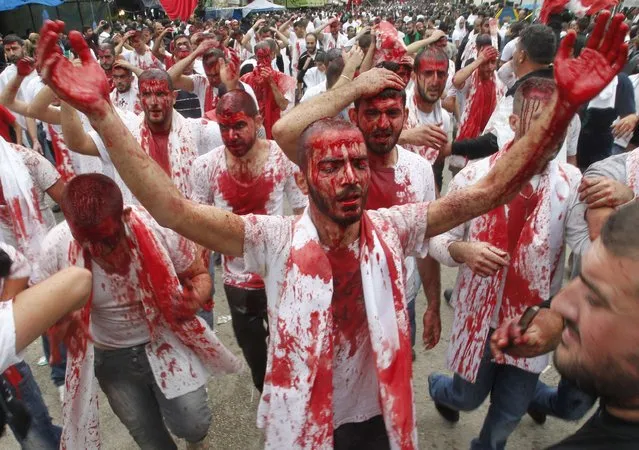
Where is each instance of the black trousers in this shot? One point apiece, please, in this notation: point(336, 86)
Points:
point(250, 325)
point(369, 435)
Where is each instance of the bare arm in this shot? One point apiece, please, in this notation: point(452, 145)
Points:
point(127, 65)
point(352, 60)
point(429, 273)
point(39, 307)
point(32, 131)
point(278, 96)
point(40, 107)
point(596, 218)
point(460, 77)
point(181, 81)
point(283, 42)
point(158, 49)
point(287, 130)
point(74, 135)
point(367, 62)
point(416, 46)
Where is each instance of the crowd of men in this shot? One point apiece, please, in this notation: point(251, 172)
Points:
point(166, 144)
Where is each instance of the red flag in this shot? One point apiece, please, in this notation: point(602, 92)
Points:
point(181, 9)
point(577, 7)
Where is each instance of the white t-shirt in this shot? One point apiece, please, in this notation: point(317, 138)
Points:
point(103, 37)
point(117, 314)
point(129, 100)
point(214, 185)
point(20, 268)
point(313, 77)
point(298, 46)
point(507, 52)
point(201, 83)
point(313, 91)
point(144, 62)
point(329, 42)
point(43, 175)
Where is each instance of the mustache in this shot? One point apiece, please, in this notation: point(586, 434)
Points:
point(382, 133)
point(349, 192)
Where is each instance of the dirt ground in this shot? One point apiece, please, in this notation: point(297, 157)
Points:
point(234, 400)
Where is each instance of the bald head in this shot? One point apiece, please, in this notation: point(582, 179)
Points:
point(234, 102)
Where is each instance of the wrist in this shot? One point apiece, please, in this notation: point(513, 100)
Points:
point(456, 251)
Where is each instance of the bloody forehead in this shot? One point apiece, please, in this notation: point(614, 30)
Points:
point(434, 63)
point(153, 85)
point(325, 141)
point(228, 118)
point(263, 53)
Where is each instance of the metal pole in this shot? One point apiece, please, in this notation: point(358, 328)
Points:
point(80, 13)
point(32, 21)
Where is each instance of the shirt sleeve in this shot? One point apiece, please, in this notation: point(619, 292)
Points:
point(210, 136)
point(577, 233)
point(41, 170)
point(479, 147)
point(264, 238)
point(199, 86)
point(572, 136)
point(410, 221)
point(8, 356)
point(201, 189)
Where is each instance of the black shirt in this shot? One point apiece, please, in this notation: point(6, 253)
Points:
point(602, 431)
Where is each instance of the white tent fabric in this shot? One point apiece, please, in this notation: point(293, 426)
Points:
point(261, 6)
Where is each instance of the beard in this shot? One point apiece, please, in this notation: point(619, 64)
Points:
point(382, 148)
point(425, 96)
point(322, 204)
point(611, 380)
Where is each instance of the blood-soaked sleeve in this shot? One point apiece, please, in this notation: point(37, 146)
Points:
point(410, 222)
point(265, 237)
point(42, 171)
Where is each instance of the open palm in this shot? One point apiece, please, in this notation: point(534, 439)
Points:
point(85, 86)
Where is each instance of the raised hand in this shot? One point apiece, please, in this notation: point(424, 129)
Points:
point(580, 79)
point(84, 87)
point(229, 67)
point(25, 66)
point(376, 80)
point(353, 58)
point(488, 53)
point(205, 46)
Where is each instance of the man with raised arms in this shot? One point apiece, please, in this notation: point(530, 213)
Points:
point(298, 256)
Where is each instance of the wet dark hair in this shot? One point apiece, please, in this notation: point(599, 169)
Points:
point(539, 43)
point(385, 94)
point(5, 264)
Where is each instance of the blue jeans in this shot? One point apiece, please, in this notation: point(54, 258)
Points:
point(126, 379)
point(566, 401)
point(42, 434)
point(510, 389)
point(57, 370)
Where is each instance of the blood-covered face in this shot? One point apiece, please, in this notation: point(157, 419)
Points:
point(13, 52)
point(338, 175)
point(335, 28)
point(106, 59)
point(263, 56)
point(239, 132)
point(381, 122)
point(487, 69)
point(431, 78)
point(122, 79)
point(211, 65)
point(100, 241)
point(157, 101)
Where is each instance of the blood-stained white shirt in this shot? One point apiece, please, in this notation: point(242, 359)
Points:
point(329, 42)
point(144, 62)
point(201, 84)
point(212, 184)
point(117, 314)
point(298, 46)
point(129, 100)
point(44, 175)
point(267, 251)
